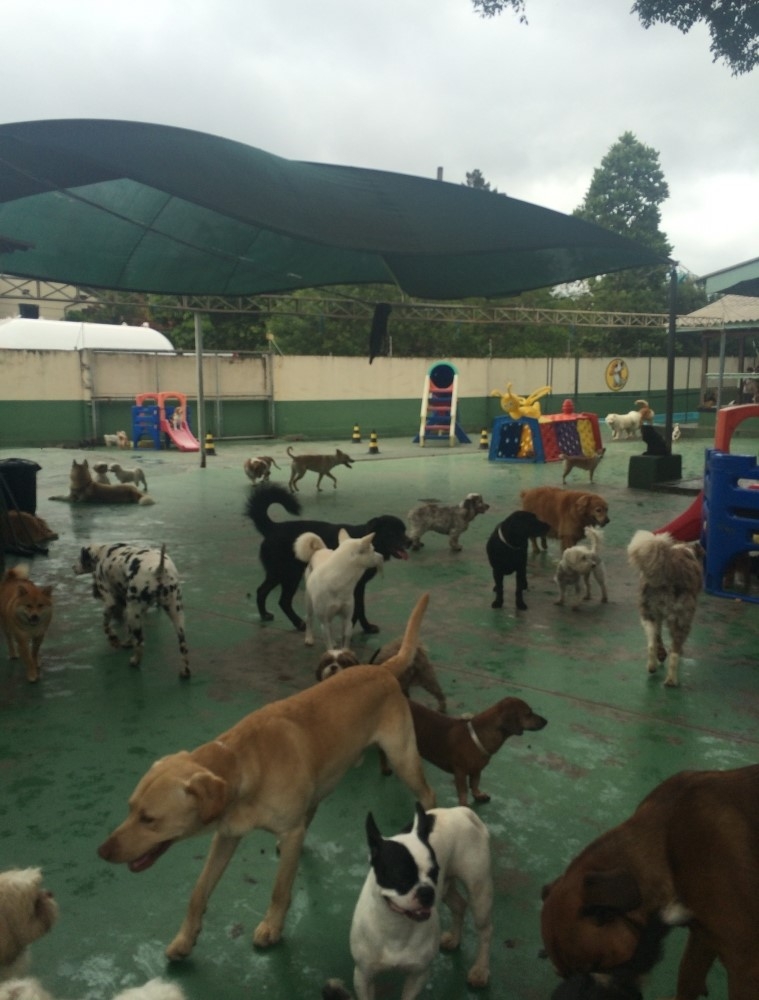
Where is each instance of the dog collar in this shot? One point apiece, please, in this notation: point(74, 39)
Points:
point(504, 540)
point(475, 738)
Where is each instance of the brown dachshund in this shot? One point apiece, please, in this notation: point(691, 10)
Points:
point(463, 747)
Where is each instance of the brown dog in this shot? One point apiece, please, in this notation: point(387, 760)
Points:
point(271, 771)
point(25, 614)
point(84, 489)
point(17, 527)
point(689, 855)
point(420, 673)
point(568, 512)
point(464, 747)
point(259, 468)
point(588, 462)
point(321, 464)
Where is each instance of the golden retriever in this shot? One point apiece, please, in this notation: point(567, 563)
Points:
point(568, 512)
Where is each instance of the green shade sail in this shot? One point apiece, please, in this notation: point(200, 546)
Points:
point(139, 207)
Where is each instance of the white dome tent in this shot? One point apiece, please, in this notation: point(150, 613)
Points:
point(60, 335)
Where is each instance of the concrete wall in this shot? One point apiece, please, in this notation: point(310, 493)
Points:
point(57, 397)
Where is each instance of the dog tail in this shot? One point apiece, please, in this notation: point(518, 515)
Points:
point(20, 572)
point(648, 553)
point(641, 402)
point(259, 501)
point(595, 536)
point(402, 660)
point(306, 544)
point(290, 451)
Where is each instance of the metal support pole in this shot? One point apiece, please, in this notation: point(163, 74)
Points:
point(670, 404)
point(199, 384)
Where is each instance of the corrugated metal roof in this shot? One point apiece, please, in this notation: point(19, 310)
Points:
point(730, 310)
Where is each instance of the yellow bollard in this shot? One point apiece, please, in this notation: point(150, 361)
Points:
point(373, 447)
point(484, 439)
point(210, 448)
point(356, 439)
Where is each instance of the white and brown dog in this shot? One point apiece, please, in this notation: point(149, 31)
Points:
point(396, 922)
point(421, 673)
point(101, 473)
point(129, 579)
point(331, 579)
point(27, 912)
point(444, 520)
point(258, 470)
point(135, 475)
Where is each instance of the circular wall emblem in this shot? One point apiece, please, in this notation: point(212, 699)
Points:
point(617, 374)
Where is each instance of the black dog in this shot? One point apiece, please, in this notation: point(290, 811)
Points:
point(655, 444)
point(507, 552)
point(285, 571)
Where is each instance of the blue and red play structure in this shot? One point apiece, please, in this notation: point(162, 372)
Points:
point(153, 421)
point(545, 438)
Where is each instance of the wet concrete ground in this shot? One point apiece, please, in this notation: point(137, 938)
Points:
point(73, 747)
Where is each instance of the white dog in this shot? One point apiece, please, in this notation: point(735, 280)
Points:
point(32, 989)
point(135, 475)
point(623, 425)
point(396, 923)
point(578, 563)
point(129, 579)
point(259, 468)
point(27, 911)
point(101, 473)
point(331, 578)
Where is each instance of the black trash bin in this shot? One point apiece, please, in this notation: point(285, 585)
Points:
point(18, 484)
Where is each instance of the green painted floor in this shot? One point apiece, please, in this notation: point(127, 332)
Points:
point(73, 747)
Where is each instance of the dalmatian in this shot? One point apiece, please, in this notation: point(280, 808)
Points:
point(129, 579)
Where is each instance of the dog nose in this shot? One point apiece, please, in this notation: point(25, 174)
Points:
point(426, 895)
point(105, 850)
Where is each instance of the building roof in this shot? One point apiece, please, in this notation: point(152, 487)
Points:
point(60, 335)
point(731, 311)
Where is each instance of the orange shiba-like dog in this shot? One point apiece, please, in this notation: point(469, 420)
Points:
point(25, 614)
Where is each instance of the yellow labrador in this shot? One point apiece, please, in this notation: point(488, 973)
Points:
point(271, 771)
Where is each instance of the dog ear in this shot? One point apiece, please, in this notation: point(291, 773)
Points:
point(424, 823)
point(607, 894)
point(210, 792)
point(373, 836)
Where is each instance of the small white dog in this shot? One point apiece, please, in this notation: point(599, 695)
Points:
point(27, 912)
point(623, 425)
point(259, 468)
point(396, 922)
point(331, 578)
point(578, 563)
point(101, 473)
point(135, 475)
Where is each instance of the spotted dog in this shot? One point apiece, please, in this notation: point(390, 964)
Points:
point(445, 520)
point(129, 579)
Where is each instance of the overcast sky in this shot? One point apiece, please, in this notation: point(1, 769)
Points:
point(411, 86)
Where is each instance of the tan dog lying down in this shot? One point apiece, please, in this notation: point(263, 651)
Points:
point(271, 771)
point(569, 513)
point(689, 855)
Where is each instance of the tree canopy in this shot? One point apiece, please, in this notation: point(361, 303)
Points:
point(733, 24)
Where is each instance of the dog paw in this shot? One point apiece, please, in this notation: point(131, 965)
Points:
point(671, 682)
point(265, 935)
point(478, 977)
point(370, 629)
point(266, 616)
point(521, 606)
point(481, 797)
point(180, 947)
point(449, 941)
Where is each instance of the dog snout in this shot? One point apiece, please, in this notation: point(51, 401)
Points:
point(107, 849)
point(535, 722)
point(425, 896)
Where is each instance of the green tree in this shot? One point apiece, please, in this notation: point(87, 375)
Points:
point(733, 24)
point(476, 180)
point(625, 195)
